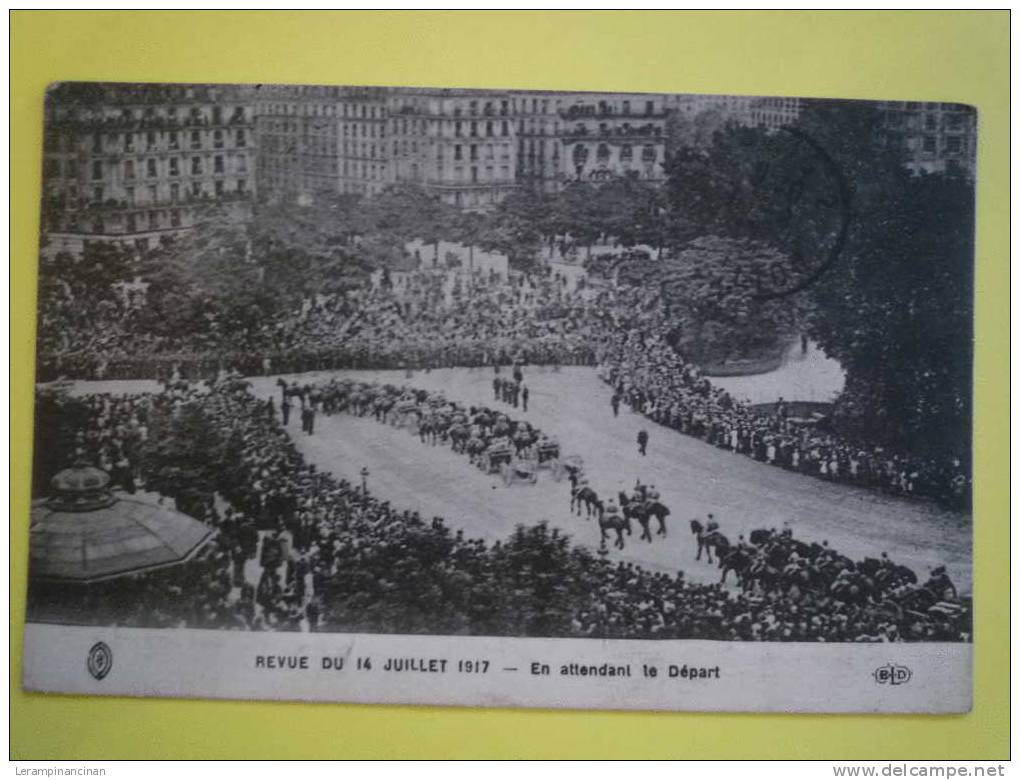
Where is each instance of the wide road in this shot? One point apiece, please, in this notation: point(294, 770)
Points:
point(694, 478)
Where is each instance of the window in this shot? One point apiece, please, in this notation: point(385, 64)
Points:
point(218, 164)
point(242, 164)
point(648, 154)
point(929, 143)
point(172, 140)
point(626, 106)
point(132, 223)
point(217, 115)
point(129, 169)
point(175, 169)
point(506, 127)
point(153, 193)
point(929, 121)
point(153, 220)
point(175, 192)
point(97, 169)
point(488, 129)
point(474, 174)
point(150, 168)
point(218, 186)
point(242, 185)
point(130, 193)
point(150, 141)
point(196, 139)
point(196, 166)
point(458, 152)
point(196, 189)
point(241, 139)
point(97, 142)
point(626, 153)
point(129, 142)
point(97, 194)
point(474, 129)
point(474, 151)
point(175, 217)
point(217, 139)
point(954, 144)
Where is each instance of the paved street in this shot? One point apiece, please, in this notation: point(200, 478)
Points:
point(693, 477)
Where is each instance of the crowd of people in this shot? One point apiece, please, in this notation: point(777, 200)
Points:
point(298, 549)
point(427, 323)
point(434, 320)
point(654, 380)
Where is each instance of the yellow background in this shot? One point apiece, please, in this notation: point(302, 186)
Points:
point(946, 56)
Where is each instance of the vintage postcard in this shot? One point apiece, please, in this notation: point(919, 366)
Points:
point(504, 398)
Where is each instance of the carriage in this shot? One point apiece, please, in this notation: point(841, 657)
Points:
point(548, 454)
point(497, 457)
point(405, 413)
point(571, 465)
point(519, 470)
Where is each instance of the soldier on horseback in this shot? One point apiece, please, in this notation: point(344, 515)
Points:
point(612, 520)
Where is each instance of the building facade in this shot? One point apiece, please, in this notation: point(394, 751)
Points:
point(135, 164)
point(471, 148)
point(934, 137)
point(770, 113)
point(539, 144)
point(462, 142)
point(364, 164)
point(607, 135)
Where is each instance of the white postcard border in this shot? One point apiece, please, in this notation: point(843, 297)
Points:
point(692, 675)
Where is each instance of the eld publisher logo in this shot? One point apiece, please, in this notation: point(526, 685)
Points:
point(100, 660)
point(892, 674)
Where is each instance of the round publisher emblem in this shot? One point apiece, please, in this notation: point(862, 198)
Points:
point(100, 660)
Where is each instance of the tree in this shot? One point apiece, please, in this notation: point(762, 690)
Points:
point(709, 291)
point(205, 284)
point(898, 314)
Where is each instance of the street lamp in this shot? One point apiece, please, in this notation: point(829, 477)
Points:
point(364, 483)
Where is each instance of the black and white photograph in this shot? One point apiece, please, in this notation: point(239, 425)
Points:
point(504, 398)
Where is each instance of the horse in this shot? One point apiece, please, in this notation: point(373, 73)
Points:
point(426, 431)
point(660, 512)
point(708, 540)
point(474, 447)
point(383, 406)
point(759, 536)
point(768, 577)
point(584, 495)
point(739, 562)
point(636, 510)
point(613, 522)
point(459, 435)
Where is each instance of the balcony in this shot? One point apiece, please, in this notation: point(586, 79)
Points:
point(643, 131)
point(602, 112)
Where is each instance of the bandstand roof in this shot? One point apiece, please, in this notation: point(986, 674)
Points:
point(103, 535)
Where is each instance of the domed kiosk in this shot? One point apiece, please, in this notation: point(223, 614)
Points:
point(86, 533)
